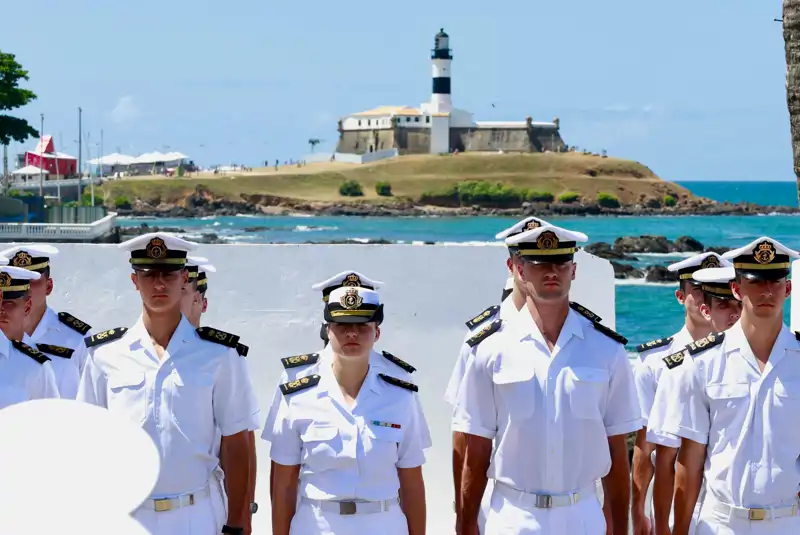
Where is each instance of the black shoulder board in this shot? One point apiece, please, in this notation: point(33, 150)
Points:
point(75, 323)
point(483, 316)
point(38, 356)
point(399, 382)
point(661, 342)
point(484, 333)
point(105, 336)
point(300, 360)
point(698, 346)
point(611, 334)
point(242, 350)
point(585, 312)
point(400, 362)
point(218, 337)
point(58, 351)
point(797, 335)
point(674, 360)
point(299, 384)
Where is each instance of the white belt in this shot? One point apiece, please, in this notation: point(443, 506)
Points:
point(161, 505)
point(758, 513)
point(349, 507)
point(543, 501)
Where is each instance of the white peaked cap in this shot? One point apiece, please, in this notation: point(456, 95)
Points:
point(562, 234)
point(529, 223)
point(34, 249)
point(720, 275)
point(170, 240)
point(748, 249)
point(369, 297)
point(207, 268)
point(699, 261)
point(353, 277)
point(20, 273)
point(196, 260)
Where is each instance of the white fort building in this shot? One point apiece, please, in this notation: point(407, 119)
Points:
point(437, 127)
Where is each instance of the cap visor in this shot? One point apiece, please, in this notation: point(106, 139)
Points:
point(165, 267)
point(764, 275)
point(352, 319)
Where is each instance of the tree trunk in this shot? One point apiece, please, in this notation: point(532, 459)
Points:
point(791, 37)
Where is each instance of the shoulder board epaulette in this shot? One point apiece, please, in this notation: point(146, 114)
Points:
point(484, 333)
point(105, 336)
point(75, 323)
point(611, 334)
point(698, 346)
point(218, 337)
point(38, 356)
point(483, 316)
point(242, 350)
point(300, 384)
point(399, 382)
point(585, 312)
point(661, 342)
point(674, 360)
point(400, 362)
point(300, 360)
point(58, 351)
point(797, 335)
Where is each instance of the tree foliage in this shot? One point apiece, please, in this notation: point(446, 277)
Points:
point(12, 97)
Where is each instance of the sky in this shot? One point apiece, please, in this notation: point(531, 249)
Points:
point(694, 90)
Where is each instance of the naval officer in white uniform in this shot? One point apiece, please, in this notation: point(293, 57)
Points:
point(348, 437)
point(553, 391)
point(690, 295)
point(180, 384)
point(722, 309)
point(513, 299)
point(735, 408)
point(25, 373)
point(58, 334)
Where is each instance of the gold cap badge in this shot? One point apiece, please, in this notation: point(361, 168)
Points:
point(352, 280)
point(531, 225)
point(710, 262)
point(547, 240)
point(156, 248)
point(5, 280)
point(22, 259)
point(764, 253)
point(351, 300)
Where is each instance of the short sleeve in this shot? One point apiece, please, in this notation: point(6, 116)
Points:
point(664, 392)
point(687, 412)
point(235, 405)
point(451, 394)
point(272, 414)
point(92, 385)
point(285, 445)
point(410, 452)
point(475, 412)
point(645, 382)
point(424, 429)
point(622, 414)
point(80, 354)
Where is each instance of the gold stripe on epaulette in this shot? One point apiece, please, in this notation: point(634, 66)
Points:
point(547, 252)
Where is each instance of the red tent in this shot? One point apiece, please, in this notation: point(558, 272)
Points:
point(56, 163)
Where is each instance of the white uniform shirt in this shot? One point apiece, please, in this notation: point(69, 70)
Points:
point(22, 378)
point(549, 414)
point(342, 452)
point(180, 401)
point(506, 312)
point(52, 331)
point(376, 360)
point(747, 418)
point(648, 372)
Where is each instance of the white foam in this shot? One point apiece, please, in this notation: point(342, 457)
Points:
point(643, 282)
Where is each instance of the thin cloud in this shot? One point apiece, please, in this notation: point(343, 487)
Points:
point(125, 111)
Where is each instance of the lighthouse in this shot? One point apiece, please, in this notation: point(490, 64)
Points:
point(441, 58)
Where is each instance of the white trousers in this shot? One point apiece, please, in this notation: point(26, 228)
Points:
point(712, 522)
point(204, 517)
point(507, 517)
point(311, 520)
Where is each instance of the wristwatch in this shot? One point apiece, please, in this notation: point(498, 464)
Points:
point(231, 530)
point(253, 508)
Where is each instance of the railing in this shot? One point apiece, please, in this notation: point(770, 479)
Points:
point(61, 231)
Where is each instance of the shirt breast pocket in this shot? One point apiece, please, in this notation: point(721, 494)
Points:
point(787, 406)
point(587, 388)
point(191, 402)
point(322, 445)
point(127, 394)
point(725, 400)
point(384, 444)
point(516, 391)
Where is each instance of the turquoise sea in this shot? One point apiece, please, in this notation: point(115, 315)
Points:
point(644, 311)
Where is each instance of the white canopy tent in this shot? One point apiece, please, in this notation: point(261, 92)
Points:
point(29, 170)
point(112, 159)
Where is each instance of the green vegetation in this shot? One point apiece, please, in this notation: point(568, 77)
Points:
point(122, 202)
point(384, 189)
point(569, 197)
point(539, 196)
point(607, 200)
point(669, 200)
point(351, 188)
point(13, 97)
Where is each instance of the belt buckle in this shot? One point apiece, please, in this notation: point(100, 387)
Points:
point(347, 508)
point(757, 514)
point(163, 504)
point(543, 501)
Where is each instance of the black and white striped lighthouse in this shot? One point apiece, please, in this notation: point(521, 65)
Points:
point(441, 57)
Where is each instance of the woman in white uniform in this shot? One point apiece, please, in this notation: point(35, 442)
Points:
point(347, 441)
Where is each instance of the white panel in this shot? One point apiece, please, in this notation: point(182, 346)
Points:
point(262, 293)
point(794, 319)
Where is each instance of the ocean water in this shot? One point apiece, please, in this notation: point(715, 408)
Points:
point(644, 311)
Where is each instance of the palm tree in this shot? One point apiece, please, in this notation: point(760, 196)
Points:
point(313, 142)
point(791, 38)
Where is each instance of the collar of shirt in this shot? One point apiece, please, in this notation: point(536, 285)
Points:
point(681, 338)
point(139, 338)
point(507, 309)
point(49, 321)
point(328, 387)
point(5, 345)
point(735, 340)
point(525, 328)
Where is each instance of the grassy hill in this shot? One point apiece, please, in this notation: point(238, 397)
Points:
point(411, 177)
